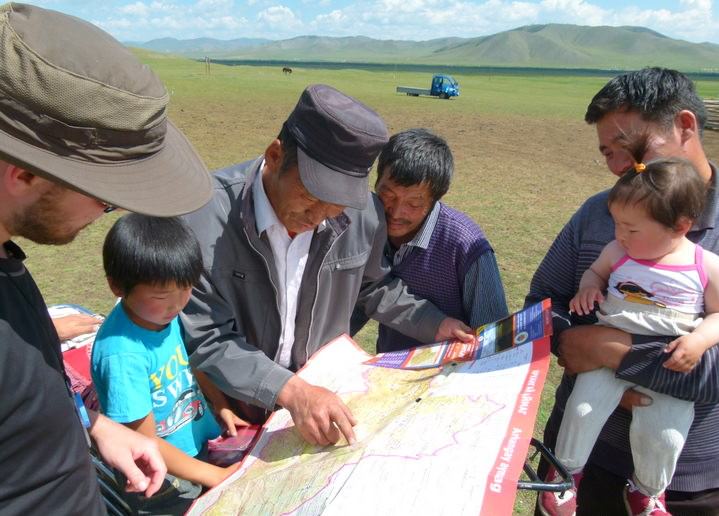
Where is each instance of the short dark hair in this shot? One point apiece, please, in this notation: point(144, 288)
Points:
point(669, 188)
point(417, 156)
point(657, 94)
point(140, 249)
point(289, 149)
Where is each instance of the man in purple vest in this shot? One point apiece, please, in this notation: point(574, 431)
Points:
point(440, 253)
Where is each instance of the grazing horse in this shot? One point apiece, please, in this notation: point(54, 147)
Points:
point(286, 70)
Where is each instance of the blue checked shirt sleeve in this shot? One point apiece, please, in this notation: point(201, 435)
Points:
point(555, 279)
point(483, 293)
point(643, 365)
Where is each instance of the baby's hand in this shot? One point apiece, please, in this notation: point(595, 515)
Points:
point(686, 352)
point(230, 420)
point(583, 302)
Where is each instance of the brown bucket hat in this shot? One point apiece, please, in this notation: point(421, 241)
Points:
point(77, 108)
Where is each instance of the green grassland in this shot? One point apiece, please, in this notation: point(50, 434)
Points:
point(525, 159)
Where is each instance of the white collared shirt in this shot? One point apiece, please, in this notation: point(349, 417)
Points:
point(290, 259)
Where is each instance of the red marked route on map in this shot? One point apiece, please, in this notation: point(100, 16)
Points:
point(428, 441)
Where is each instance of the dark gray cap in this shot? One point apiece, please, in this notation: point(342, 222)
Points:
point(78, 108)
point(338, 139)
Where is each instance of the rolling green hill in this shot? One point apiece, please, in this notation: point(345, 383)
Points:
point(576, 46)
point(541, 46)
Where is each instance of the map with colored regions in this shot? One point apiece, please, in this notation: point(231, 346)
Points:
point(449, 440)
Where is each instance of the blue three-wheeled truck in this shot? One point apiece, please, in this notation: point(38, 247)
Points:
point(443, 86)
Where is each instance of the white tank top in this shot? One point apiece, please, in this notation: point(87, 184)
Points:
point(678, 287)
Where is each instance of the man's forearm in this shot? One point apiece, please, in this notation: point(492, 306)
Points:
point(241, 371)
point(638, 359)
point(589, 347)
point(391, 304)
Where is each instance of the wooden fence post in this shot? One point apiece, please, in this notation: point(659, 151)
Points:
point(712, 106)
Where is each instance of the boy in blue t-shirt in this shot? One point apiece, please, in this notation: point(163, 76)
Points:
point(140, 366)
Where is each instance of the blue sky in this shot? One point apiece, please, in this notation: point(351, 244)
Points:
point(142, 20)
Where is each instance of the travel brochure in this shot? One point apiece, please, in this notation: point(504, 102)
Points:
point(531, 323)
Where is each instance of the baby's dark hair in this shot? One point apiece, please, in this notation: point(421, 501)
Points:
point(669, 188)
point(140, 249)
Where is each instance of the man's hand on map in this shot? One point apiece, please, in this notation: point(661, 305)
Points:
point(135, 455)
point(319, 414)
point(450, 329)
point(589, 347)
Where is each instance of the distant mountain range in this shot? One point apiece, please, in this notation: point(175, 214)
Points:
point(542, 46)
point(199, 46)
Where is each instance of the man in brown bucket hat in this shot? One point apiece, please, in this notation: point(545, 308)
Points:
point(83, 129)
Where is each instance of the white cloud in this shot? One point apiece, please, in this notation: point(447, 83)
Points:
point(693, 20)
point(426, 19)
point(222, 22)
point(279, 17)
point(215, 4)
point(520, 11)
point(258, 4)
point(704, 5)
point(115, 26)
point(693, 23)
point(163, 6)
point(137, 9)
point(573, 11)
point(333, 18)
point(141, 21)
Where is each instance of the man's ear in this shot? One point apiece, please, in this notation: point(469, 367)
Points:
point(274, 155)
point(18, 181)
point(686, 122)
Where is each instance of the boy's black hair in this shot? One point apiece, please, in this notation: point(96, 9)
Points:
point(668, 188)
point(417, 156)
point(140, 249)
point(657, 94)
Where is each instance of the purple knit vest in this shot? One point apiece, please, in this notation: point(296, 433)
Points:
point(437, 273)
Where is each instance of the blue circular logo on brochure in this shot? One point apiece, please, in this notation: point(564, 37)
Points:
point(521, 338)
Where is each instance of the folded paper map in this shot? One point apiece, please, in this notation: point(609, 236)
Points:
point(443, 441)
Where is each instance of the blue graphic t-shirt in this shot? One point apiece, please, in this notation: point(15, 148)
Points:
point(136, 371)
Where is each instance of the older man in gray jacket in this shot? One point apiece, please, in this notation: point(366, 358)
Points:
point(291, 241)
